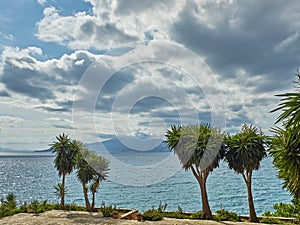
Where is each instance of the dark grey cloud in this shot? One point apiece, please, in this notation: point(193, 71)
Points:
point(25, 81)
point(261, 26)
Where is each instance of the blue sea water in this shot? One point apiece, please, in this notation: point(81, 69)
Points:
point(32, 177)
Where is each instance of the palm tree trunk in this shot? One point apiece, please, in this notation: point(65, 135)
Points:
point(205, 204)
point(252, 216)
point(93, 200)
point(86, 198)
point(201, 178)
point(62, 200)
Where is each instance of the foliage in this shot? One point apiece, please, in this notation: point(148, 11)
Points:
point(283, 210)
point(224, 215)
point(199, 148)
point(177, 214)
point(8, 206)
point(285, 147)
point(244, 151)
point(285, 150)
point(11, 201)
point(197, 215)
point(152, 215)
point(107, 210)
point(270, 220)
point(92, 169)
point(64, 160)
point(59, 189)
point(157, 214)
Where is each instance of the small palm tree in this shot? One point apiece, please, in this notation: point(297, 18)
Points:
point(101, 167)
point(199, 148)
point(244, 152)
point(64, 160)
point(91, 169)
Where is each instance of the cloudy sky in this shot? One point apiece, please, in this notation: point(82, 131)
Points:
point(96, 69)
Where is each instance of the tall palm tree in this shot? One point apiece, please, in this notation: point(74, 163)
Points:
point(244, 151)
point(64, 160)
point(199, 148)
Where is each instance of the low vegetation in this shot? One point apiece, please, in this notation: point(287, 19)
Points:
point(159, 213)
point(9, 206)
point(282, 210)
point(107, 211)
point(224, 215)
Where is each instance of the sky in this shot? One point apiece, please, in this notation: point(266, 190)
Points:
point(99, 69)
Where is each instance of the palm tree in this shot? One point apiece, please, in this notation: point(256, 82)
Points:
point(244, 151)
point(85, 174)
point(91, 168)
point(285, 147)
point(199, 148)
point(285, 150)
point(64, 160)
point(101, 167)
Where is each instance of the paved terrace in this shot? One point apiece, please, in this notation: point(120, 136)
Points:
point(58, 217)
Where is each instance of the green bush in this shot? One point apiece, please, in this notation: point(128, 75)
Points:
point(176, 215)
point(282, 210)
point(224, 215)
point(197, 215)
point(270, 220)
point(153, 215)
point(11, 201)
point(107, 210)
point(8, 206)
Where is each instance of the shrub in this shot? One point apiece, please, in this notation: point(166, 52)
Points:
point(198, 215)
point(8, 206)
point(282, 210)
point(107, 210)
point(11, 201)
point(224, 215)
point(176, 215)
point(153, 215)
point(270, 220)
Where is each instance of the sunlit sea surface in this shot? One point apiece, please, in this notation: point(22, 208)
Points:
point(32, 177)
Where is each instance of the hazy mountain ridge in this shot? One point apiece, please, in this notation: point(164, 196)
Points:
point(115, 145)
point(112, 145)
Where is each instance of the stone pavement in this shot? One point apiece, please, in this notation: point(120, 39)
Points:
point(58, 217)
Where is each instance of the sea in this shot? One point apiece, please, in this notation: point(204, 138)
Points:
point(32, 176)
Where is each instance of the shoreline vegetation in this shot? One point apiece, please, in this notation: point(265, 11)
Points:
point(283, 212)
